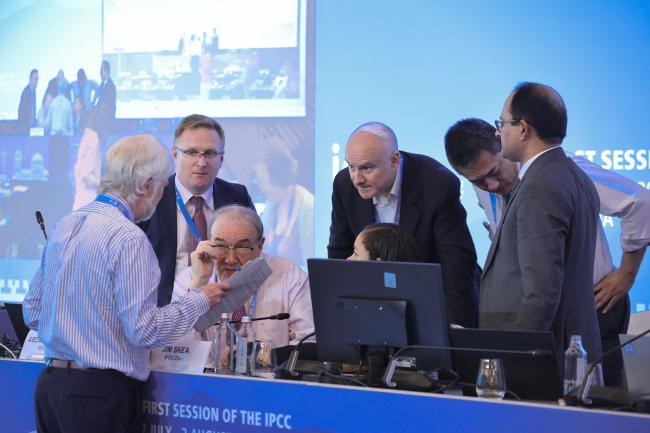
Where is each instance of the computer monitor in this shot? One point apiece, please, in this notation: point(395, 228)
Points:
point(15, 312)
point(364, 308)
point(6, 327)
point(531, 369)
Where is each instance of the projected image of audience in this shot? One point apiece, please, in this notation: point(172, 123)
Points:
point(203, 56)
point(241, 74)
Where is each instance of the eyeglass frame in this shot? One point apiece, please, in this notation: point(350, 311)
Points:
point(228, 249)
point(499, 123)
point(196, 155)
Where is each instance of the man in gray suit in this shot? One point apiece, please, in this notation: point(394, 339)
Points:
point(538, 272)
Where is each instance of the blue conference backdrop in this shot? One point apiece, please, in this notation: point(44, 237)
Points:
point(420, 66)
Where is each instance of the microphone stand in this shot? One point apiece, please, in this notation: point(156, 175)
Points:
point(290, 366)
point(582, 394)
point(279, 316)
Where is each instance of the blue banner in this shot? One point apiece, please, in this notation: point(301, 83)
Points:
point(183, 403)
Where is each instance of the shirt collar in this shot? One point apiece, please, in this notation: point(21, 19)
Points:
point(125, 209)
point(186, 195)
point(395, 191)
point(524, 168)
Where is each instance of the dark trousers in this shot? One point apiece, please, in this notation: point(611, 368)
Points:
point(611, 324)
point(74, 400)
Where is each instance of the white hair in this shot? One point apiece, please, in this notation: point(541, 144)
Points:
point(242, 213)
point(381, 130)
point(130, 163)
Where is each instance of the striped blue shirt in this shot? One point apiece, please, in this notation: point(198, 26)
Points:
point(93, 298)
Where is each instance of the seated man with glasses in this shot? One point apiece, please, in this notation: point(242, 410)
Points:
point(191, 198)
point(237, 237)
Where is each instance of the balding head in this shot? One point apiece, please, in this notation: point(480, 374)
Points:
point(533, 119)
point(373, 159)
point(543, 108)
point(381, 132)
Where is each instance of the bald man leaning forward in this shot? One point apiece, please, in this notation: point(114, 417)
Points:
point(383, 184)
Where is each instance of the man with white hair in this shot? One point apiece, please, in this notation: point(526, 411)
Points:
point(384, 185)
point(93, 299)
point(236, 238)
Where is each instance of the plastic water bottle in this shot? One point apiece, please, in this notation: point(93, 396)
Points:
point(575, 364)
point(223, 345)
point(244, 336)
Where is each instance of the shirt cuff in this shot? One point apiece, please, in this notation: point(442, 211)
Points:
point(201, 300)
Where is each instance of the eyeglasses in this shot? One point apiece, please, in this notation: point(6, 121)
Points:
point(194, 154)
point(243, 253)
point(499, 123)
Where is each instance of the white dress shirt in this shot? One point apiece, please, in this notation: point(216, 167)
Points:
point(524, 168)
point(286, 290)
point(387, 205)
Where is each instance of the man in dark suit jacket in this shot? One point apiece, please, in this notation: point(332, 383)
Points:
point(27, 106)
point(102, 115)
point(382, 184)
point(199, 144)
point(538, 272)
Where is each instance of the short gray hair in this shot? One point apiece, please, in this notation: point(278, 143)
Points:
point(247, 214)
point(130, 163)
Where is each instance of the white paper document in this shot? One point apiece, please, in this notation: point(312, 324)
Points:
point(33, 348)
point(184, 355)
point(244, 284)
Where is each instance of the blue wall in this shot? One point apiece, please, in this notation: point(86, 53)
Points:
point(419, 66)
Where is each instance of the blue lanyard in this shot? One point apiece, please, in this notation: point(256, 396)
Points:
point(117, 203)
point(493, 202)
point(251, 307)
point(186, 215)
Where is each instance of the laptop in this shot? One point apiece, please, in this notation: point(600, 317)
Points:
point(636, 363)
point(531, 376)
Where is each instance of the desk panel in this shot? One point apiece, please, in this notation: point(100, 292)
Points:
point(185, 403)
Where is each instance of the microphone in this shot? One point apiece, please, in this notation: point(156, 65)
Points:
point(387, 379)
point(41, 223)
point(582, 393)
point(279, 316)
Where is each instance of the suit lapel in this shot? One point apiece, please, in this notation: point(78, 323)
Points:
point(497, 235)
point(409, 210)
point(218, 199)
point(168, 213)
point(556, 153)
point(365, 211)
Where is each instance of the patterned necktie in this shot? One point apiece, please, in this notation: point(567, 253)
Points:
point(237, 315)
point(201, 225)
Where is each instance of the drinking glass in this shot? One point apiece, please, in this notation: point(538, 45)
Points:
point(491, 381)
point(265, 359)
